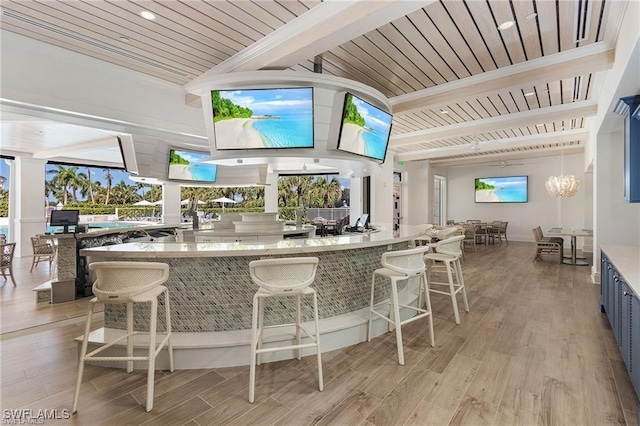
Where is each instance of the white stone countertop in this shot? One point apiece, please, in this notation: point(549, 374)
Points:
point(626, 259)
point(253, 248)
point(207, 229)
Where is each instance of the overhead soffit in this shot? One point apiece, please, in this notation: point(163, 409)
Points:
point(427, 62)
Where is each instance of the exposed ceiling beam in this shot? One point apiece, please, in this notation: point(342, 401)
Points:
point(579, 61)
point(108, 142)
point(325, 26)
point(509, 121)
point(547, 152)
point(508, 143)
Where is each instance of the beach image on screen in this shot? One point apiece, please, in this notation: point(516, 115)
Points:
point(365, 129)
point(511, 189)
point(263, 118)
point(188, 165)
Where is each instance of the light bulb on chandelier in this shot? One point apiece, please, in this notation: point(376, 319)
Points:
point(563, 186)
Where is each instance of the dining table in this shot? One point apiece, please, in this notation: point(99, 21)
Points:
point(573, 233)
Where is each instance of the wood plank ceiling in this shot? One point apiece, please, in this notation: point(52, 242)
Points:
point(462, 90)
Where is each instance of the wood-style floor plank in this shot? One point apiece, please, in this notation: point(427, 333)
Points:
point(534, 349)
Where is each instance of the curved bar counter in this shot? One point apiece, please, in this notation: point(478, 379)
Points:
point(211, 291)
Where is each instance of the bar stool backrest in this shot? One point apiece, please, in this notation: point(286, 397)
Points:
point(409, 262)
point(119, 281)
point(287, 275)
point(450, 246)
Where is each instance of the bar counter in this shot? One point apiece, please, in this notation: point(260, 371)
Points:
point(211, 291)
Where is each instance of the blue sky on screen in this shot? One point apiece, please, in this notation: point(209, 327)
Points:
point(371, 113)
point(272, 101)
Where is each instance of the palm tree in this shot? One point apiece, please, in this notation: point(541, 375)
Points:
point(109, 178)
point(124, 194)
point(334, 192)
point(67, 178)
point(90, 186)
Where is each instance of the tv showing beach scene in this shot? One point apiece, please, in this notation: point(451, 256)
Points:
point(263, 118)
point(507, 189)
point(365, 129)
point(189, 166)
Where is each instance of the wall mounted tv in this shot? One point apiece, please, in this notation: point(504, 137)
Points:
point(365, 129)
point(506, 189)
point(263, 118)
point(189, 166)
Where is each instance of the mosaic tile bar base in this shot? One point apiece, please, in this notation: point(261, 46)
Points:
point(216, 293)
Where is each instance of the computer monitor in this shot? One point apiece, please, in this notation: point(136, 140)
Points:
point(64, 218)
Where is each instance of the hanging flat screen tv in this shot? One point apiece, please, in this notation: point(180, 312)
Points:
point(365, 129)
point(263, 118)
point(189, 166)
point(505, 189)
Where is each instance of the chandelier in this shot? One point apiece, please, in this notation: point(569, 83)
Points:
point(563, 186)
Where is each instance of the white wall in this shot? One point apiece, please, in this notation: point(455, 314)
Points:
point(617, 221)
point(542, 209)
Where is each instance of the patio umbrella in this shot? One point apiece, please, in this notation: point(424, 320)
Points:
point(223, 200)
point(188, 200)
point(143, 203)
point(157, 203)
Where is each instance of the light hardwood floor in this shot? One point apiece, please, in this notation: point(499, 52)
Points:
point(534, 349)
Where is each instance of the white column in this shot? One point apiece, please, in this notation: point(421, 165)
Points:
point(171, 203)
point(271, 193)
point(382, 195)
point(417, 189)
point(355, 199)
point(28, 215)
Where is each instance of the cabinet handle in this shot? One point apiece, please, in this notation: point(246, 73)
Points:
point(624, 293)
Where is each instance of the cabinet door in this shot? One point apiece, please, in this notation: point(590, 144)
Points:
point(625, 323)
point(634, 367)
point(612, 308)
point(605, 268)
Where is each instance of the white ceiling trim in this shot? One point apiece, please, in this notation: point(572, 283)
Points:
point(583, 60)
point(509, 143)
point(509, 121)
point(549, 152)
point(108, 142)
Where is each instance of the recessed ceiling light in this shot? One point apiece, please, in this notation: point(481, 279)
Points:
point(443, 111)
point(147, 15)
point(124, 39)
point(529, 94)
point(532, 16)
point(506, 25)
point(539, 124)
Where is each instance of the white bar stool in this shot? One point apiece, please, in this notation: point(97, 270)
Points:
point(129, 282)
point(398, 266)
point(282, 277)
point(449, 252)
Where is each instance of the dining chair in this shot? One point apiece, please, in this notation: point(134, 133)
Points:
point(6, 262)
point(43, 250)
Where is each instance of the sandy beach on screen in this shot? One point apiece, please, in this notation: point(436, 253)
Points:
point(351, 138)
point(487, 196)
point(237, 133)
point(179, 171)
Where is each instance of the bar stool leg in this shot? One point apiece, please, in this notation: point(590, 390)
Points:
point(396, 319)
point(153, 325)
point(373, 289)
point(129, 336)
point(254, 343)
point(461, 283)
point(83, 354)
point(298, 340)
point(167, 317)
point(261, 302)
point(315, 315)
point(425, 284)
point(452, 290)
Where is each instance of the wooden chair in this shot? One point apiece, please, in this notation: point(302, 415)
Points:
point(43, 250)
point(493, 231)
point(552, 248)
point(469, 235)
point(6, 261)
